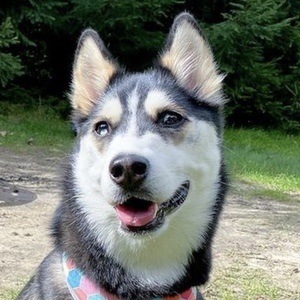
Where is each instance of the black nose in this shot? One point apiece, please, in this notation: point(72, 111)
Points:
point(129, 171)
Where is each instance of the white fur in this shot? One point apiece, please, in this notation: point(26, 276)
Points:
point(132, 107)
point(159, 257)
point(158, 101)
point(111, 110)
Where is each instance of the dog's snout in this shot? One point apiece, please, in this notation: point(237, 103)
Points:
point(129, 171)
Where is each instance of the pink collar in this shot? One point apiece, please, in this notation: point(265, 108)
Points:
point(81, 288)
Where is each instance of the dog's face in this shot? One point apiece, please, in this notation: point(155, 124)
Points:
point(147, 163)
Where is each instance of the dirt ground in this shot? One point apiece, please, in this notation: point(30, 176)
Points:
point(254, 235)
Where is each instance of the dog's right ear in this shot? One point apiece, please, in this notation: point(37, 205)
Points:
point(92, 71)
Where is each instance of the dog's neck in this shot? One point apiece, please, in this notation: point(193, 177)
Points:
point(82, 288)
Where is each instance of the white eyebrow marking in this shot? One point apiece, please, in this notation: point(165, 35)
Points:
point(158, 101)
point(112, 110)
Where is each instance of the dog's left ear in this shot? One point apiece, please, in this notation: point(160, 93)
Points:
point(189, 58)
point(92, 71)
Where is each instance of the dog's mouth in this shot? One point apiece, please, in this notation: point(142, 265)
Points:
point(141, 216)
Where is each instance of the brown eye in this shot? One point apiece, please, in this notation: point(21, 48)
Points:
point(170, 119)
point(102, 128)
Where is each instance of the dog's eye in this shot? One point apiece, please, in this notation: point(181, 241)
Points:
point(170, 119)
point(102, 128)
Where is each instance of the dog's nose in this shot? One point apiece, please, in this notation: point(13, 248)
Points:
point(129, 171)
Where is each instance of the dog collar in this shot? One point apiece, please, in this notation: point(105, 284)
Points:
point(81, 288)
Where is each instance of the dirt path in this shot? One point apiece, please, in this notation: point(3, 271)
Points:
point(255, 235)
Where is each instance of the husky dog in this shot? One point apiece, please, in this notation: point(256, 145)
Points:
point(144, 188)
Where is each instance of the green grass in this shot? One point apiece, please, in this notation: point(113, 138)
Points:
point(268, 160)
point(8, 294)
point(25, 130)
point(233, 283)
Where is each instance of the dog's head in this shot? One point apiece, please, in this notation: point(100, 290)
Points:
point(147, 162)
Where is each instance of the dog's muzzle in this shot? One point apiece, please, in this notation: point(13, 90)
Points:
point(141, 216)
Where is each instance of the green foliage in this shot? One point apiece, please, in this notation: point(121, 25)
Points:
point(256, 42)
point(27, 23)
point(10, 65)
point(257, 46)
point(33, 12)
point(48, 31)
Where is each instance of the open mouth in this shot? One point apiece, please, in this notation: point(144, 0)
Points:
point(141, 216)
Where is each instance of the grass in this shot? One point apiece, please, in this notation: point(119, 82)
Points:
point(233, 283)
point(25, 130)
point(8, 294)
point(266, 161)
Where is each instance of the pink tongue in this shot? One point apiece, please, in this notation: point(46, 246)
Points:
point(137, 218)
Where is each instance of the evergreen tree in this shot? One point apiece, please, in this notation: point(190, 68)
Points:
point(27, 23)
point(10, 65)
point(257, 46)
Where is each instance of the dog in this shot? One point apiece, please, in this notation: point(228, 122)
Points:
point(143, 190)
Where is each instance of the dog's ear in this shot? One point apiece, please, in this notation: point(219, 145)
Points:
point(92, 71)
point(189, 58)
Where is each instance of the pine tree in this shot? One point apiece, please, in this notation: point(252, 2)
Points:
point(10, 65)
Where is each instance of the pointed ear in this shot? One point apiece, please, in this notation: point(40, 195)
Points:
point(93, 68)
point(189, 58)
